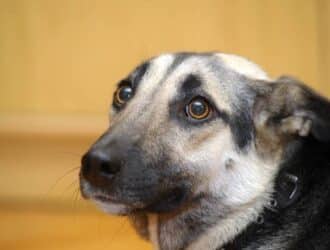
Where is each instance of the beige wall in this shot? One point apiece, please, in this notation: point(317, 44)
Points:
point(64, 56)
point(59, 62)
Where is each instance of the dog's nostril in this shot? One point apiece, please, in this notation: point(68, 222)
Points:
point(109, 168)
point(97, 164)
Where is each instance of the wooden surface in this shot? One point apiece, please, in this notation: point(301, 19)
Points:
point(40, 206)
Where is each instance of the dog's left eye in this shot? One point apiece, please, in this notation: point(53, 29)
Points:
point(198, 109)
point(123, 94)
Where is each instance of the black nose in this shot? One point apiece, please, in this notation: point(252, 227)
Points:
point(98, 165)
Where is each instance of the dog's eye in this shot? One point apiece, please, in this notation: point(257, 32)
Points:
point(123, 94)
point(198, 109)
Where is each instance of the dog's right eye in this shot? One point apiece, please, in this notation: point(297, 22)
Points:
point(123, 94)
point(198, 109)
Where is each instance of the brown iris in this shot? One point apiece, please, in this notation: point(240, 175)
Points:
point(123, 94)
point(198, 109)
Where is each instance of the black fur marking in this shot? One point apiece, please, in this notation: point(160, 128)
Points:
point(138, 74)
point(242, 128)
point(190, 84)
point(179, 58)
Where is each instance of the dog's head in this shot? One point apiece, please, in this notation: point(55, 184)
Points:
point(189, 125)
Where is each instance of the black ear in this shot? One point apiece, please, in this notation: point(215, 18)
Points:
point(293, 108)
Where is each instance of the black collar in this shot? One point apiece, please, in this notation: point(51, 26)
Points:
point(288, 187)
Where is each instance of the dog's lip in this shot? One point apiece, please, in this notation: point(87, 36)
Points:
point(105, 198)
point(89, 192)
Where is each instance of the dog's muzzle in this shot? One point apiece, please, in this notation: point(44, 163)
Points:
point(121, 181)
point(100, 175)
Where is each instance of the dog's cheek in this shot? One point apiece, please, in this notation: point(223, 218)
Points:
point(205, 156)
point(247, 178)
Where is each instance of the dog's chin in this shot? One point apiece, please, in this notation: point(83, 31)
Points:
point(166, 203)
point(113, 208)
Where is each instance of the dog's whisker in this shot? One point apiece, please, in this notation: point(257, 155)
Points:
point(76, 197)
point(73, 184)
point(59, 179)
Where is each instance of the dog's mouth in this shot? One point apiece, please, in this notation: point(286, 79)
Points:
point(105, 198)
point(104, 201)
point(165, 202)
point(112, 205)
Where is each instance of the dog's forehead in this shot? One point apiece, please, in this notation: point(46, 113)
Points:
point(223, 76)
point(167, 63)
point(162, 66)
point(243, 66)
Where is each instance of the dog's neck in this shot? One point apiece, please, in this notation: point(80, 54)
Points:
point(209, 226)
point(205, 226)
point(301, 209)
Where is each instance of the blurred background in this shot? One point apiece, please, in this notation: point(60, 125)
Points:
point(59, 63)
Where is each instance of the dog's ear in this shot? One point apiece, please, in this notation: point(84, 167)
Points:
point(292, 108)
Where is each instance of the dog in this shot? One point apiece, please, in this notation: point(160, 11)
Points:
point(206, 151)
